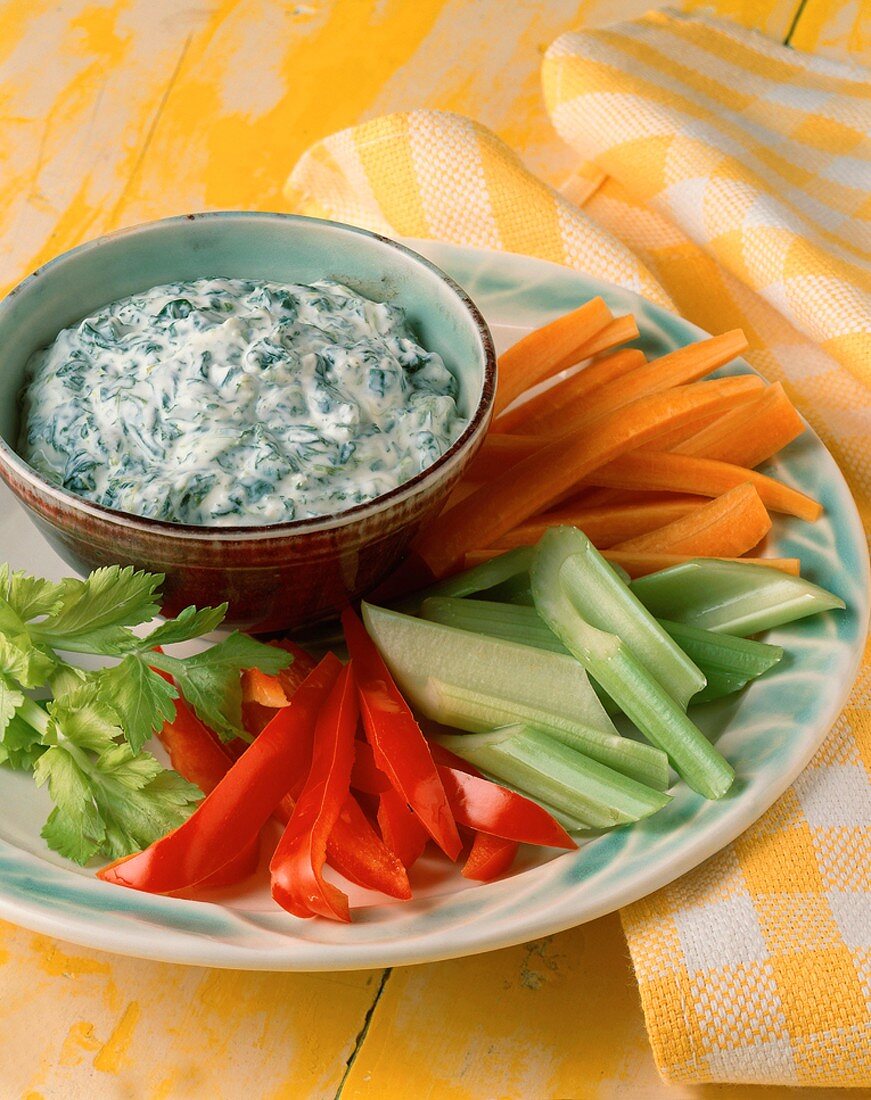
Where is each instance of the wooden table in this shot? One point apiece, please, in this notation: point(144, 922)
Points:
point(118, 111)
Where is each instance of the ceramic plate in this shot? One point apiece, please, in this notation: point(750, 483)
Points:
point(768, 733)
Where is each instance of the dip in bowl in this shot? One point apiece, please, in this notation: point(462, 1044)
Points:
point(263, 407)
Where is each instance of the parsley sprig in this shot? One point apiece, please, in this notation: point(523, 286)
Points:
point(85, 741)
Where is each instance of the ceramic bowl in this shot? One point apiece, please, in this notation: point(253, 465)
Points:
point(275, 577)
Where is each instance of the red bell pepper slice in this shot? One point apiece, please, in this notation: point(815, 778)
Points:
point(488, 808)
point(366, 776)
point(276, 691)
point(401, 828)
point(401, 751)
point(239, 868)
point(229, 818)
point(297, 883)
point(194, 752)
point(490, 857)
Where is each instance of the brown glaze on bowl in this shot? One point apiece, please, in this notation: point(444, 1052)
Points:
point(277, 577)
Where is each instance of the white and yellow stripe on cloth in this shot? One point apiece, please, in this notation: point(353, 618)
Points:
point(729, 178)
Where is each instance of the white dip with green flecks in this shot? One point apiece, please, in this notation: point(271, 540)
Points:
point(227, 402)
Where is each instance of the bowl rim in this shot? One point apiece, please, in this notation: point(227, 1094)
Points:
point(478, 420)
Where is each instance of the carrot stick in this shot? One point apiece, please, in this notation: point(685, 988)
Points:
point(620, 331)
point(749, 434)
point(638, 564)
point(604, 526)
point(675, 369)
point(548, 350)
point(727, 526)
point(499, 451)
point(538, 481)
point(703, 476)
point(524, 417)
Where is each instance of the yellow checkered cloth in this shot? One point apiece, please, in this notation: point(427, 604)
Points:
point(729, 178)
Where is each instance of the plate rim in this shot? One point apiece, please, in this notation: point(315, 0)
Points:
point(127, 935)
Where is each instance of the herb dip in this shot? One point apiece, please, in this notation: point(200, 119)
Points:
point(229, 402)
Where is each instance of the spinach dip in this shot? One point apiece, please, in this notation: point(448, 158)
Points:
point(229, 402)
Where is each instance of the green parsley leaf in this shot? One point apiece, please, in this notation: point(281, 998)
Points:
point(188, 624)
point(140, 697)
point(21, 660)
point(211, 681)
point(29, 596)
point(83, 717)
point(20, 745)
point(10, 700)
point(110, 805)
point(109, 598)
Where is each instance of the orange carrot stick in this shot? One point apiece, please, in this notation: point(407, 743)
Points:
point(727, 526)
point(620, 331)
point(675, 369)
point(638, 564)
point(524, 417)
point(604, 526)
point(749, 434)
point(548, 350)
point(498, 452)
point(538, 481)
point(703, 476)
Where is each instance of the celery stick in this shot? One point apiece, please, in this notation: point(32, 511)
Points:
point(731, 597)
point(728, 663)
point(467, 709)
point(605, 602)
point(723, 653)
point(480, 577)
point(517, 590)
point(624, 678)
point(546, 769)
point(477, 682)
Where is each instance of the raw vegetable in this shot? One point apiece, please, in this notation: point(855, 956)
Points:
point(490, 856)
point(496, 570)
point(616, 668)
point(296, 867)
point(726, 527)
point(401, 828)
point(731, 597)
point(400, 749)
point(548, 350)
point(231, 816)
point(475, 683)
point(728, 663)
point(749, 434)
point(86, 742)
point(619, 331)
point(607, 525)
point(605, 602)
point(528, 416)
point(678, 368)
point(638, 564)
point(542, 479)
point(194, 752)
point(547, 769)
point(707, 477)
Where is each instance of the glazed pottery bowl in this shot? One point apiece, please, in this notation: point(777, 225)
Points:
point(276, 577)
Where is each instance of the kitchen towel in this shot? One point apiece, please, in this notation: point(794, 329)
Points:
point(729, 178)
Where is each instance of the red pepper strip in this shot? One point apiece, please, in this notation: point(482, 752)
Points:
point(490, 857)
point(297, 883)
point(401, 751)
point(193, 750)
point(239, 868)
point(303, 663)
point(401, 828)
point(230, 817)
point(449, 759)
point(489, 808)
point(366, 776)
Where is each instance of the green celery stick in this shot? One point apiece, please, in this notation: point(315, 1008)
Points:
point(486, 575)
point(543, 768)
point(613, 664)
point(731, 597)
point(605, 602)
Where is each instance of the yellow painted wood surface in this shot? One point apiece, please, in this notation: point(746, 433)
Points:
point(117, 111)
